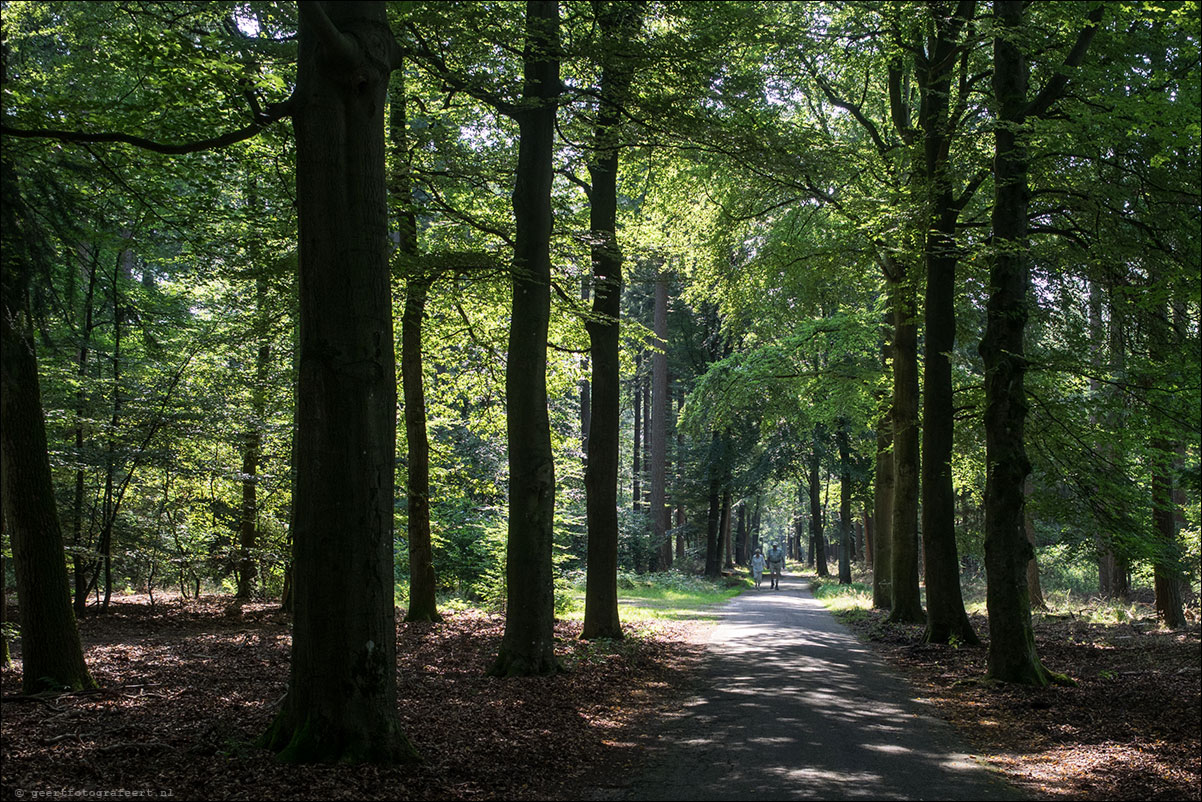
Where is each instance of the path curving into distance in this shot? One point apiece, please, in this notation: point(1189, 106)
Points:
point(793, 706)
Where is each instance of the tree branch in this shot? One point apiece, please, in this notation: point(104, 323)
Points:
point(1055, 87)
point(273, 113)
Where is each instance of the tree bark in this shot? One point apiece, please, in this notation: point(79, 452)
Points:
point(78, 563)
point(341, 701)
point(1012, 652)
point(636, 495)
point(741, 551)
point(51, 655)
point(946, 617)
point(618, 22)
point(528, 646)
point(660, 523)
point(423, 581)
point(906, 601)
point(1034, 586)
point(252, 443)
point(817, 537)
point(713, 541)
point(845, 532)
point(728, 561)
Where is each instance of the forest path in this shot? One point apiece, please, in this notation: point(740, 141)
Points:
point(793, 706)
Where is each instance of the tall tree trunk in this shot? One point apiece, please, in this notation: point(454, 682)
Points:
point(253, 439)
point(423, 582)
point(586, 388)
point(1034, 586)
point(882, 509)
point(741, 551)
point(341, 703)
point(6, 659)
point(728, 561)
point(528, 646)
point(78, 563)
point(1108, 345)
point(660, 523)
point(51, 655)
point(713, 541)
point(845, 533)
point(122, 268)
point(946, 617)
point(755, 526)
point(645, 501)
point(1012, 653)
point(906, 601)
point(618, 22)
point(799, 522)
point(636, 496)
point(1168, 579)
point(817, 537)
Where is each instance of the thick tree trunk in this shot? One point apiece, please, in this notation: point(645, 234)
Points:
point(341, 701)
point(528, 646)
point(1012, 653)
point(946, 617)
point(906, 601)
point(51, 656)
point(604, 415)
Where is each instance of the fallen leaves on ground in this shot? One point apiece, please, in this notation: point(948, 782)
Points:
point(1129, 728)
point(188, 686)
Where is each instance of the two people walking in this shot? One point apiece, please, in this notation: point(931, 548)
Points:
point(775, 562)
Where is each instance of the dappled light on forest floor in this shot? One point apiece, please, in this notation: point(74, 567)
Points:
point(1129, 729)
point(186, 688)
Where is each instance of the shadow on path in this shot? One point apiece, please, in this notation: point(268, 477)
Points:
point(793, 706)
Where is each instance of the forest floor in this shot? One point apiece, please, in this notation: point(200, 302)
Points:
point(1128, 728)
point(187, 686)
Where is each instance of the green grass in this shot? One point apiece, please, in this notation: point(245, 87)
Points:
point(670, 595)
point(1063, 600)
point(842, 598)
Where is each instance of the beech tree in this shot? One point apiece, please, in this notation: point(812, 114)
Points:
point(528, 646)
point(1012, 652)
point(52, 658)
point(618, 22)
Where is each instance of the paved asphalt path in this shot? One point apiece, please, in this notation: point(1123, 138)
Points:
point(792, 706)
